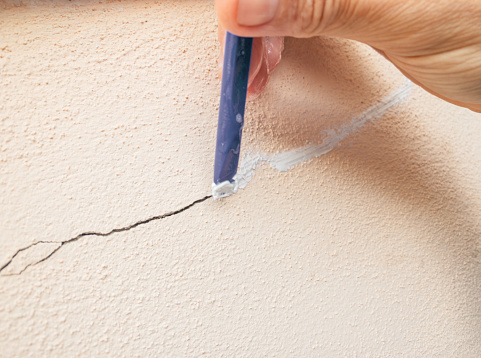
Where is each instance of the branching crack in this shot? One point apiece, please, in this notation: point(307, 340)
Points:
point(91, 233)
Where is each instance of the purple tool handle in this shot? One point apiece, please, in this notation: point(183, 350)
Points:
point(235, 75)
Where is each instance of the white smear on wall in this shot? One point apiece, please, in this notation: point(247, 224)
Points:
point(284, 161)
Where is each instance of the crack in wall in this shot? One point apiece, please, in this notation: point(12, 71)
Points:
point(89, 233)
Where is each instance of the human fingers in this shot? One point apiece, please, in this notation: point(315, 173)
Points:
point(299, 18)
point(270, 59)
point(266, 56)
point(384, 24)
point(435, 42)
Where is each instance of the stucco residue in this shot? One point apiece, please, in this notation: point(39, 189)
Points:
point(331, 138)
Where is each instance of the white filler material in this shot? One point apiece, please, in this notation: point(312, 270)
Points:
point(224, 189)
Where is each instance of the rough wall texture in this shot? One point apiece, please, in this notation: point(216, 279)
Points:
point(107, 132)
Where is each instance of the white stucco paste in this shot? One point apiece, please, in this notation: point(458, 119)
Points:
point(331, 138)
point(111, 246)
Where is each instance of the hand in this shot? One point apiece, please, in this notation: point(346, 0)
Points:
point(266, 56)
point(435, 43)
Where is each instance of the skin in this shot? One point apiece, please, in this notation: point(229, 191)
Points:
point(435, 43)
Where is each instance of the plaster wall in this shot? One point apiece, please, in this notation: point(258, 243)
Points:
point(110, 245)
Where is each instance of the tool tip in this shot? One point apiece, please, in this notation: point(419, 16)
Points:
point(224, 189)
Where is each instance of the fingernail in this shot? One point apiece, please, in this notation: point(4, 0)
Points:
point(256, 12)
point(220, 61)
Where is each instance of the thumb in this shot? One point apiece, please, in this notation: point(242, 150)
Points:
point(376, 22)
point(299, 18)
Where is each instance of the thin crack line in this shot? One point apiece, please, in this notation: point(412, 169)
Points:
point(92, 233)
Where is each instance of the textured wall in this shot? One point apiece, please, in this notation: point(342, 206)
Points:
point(109, 246)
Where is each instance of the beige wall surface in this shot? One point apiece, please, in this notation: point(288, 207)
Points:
point(357, 232)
